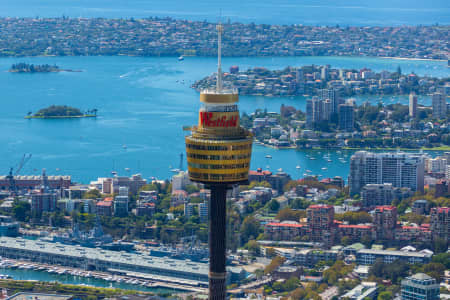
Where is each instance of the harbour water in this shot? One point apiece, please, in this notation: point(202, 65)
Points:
point(309, 12)
point(143, 104)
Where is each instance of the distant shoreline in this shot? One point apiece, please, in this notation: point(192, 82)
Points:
point(206, 56)
point(60, 117)
point(409, 58)
point(440, 148)
point(52, 71)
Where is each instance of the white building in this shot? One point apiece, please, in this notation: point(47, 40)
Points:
point(412, 105)
point(180, 181)
point(121, 202)
point(399, 168)
point(435, 165)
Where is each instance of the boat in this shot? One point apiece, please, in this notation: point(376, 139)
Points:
point(298, 167)
point(312, 158)
point(124, 146)
point(175, 170)
point(268, 156)
point(308, 171)
point(324, 168)
point(180, 58)
point(127, 169)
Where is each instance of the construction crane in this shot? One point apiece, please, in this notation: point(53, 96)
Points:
point(10, 177)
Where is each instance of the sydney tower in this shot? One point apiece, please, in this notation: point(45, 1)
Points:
point(218, 154)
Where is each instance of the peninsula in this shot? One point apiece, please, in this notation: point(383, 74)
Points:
point(175, 37)
point(31, 68)
point(311, 80)
point(61, 112)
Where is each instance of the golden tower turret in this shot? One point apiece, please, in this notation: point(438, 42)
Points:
point(219, 149)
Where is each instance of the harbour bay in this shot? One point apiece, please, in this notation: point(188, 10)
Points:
point(142, 105)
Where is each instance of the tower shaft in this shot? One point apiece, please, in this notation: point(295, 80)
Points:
point(217, 242)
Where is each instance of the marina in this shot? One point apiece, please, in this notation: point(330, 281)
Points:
point(21, 270)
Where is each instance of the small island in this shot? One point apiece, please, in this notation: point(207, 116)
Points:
point(61, 112)
point(31, 68)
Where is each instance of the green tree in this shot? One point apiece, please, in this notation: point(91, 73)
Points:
point(249, 229)
point(287, 214)
point(274, 206)
point(191, 189)
point(274, 264)
point(385, 296)
point(21, 210)
point(442, 258)
point(354, 217)
point(435, 270)
point(253, 247)
point(92, 194)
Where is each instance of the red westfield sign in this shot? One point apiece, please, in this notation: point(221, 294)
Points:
point(223, 119)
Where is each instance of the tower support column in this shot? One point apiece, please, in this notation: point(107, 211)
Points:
point(217, 242)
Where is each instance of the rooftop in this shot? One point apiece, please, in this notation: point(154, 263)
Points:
point(28, 296)
point(76, 251)
point(394, 253)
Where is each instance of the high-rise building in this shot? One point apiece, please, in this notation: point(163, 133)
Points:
point(346, 117)
point(333, 96)
point(180, 181)
point(188, 210)
point(203, 211)
point(377, 194)
point(121, 202)
point(412, 105)
point(440, 222)
point(385, 221)
point(318, 110)
point(420, 287)
point(320, 218)
point(439, 105)
point(44, 199)
point(400, 169)
point(313, 111)
point(43, 202)
point(324, 72)
point(300, 80)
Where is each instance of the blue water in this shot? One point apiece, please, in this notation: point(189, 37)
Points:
point(20, 274)
point(308, 12)
point(141, 105)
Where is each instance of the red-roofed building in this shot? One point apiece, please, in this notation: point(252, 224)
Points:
point(385, 221)
point(178, 198)
point(104, 208)
point(440, 222)
point(442, 188)
point(321, 223)
point(356, 232)
point(413, 233)
point(284, 231)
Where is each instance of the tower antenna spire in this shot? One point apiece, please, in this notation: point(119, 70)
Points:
point(219, 57)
